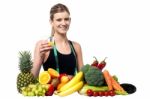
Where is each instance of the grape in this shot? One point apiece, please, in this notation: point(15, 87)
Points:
point(36, 92)
point(31, 86)
point(31, 94)
point(23, 89)
point(24, 93)
point(34, 89)
point(41, 94)
point(39, 88)
point(47, 86)
point(44, 91)
point(28, 89)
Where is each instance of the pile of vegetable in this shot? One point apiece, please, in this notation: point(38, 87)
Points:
point(99, 82)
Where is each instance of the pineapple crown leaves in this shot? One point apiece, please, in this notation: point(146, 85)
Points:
point(25, 63)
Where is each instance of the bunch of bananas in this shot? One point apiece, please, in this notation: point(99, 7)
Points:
point(75, 84)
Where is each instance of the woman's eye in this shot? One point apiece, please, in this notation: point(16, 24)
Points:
point(58, 19)
point(66, 19)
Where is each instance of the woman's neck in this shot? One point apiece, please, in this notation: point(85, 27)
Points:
point(62, 43)
point(60, 38)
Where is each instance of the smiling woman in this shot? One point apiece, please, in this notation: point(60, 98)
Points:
point(60, 18)
point(66, 55)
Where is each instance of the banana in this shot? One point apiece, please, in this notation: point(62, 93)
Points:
point(78, 77)
point(72, 89)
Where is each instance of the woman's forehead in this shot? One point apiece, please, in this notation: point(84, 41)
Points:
point(61, 15)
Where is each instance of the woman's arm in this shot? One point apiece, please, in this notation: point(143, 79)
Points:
point(38, 60)
point(39, 56)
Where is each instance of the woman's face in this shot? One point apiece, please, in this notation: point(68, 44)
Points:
point(61, 22)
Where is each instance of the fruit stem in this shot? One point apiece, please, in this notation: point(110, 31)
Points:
point(104, 58)
point(95, 58)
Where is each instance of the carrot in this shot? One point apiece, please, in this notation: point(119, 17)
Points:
point(116, 85)
point(108, 79)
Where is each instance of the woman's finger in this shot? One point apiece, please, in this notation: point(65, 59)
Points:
point(44, 49)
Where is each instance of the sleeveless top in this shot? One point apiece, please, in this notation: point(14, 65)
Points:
point(67, 63)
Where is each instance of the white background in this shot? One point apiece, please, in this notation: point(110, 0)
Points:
point(117, 29)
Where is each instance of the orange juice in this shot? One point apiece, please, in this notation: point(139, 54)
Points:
point(50, 43)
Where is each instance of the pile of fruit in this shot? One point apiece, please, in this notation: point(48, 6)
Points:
point(48, 82)
point(91, 80)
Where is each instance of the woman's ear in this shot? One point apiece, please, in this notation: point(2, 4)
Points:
point(51, 22)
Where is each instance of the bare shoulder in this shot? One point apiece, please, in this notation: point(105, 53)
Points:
point(76, 45)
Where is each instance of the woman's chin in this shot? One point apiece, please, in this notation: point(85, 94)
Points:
point(63, 32)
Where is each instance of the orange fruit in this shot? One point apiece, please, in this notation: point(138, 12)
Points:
point(53, 73)
point(44, 77)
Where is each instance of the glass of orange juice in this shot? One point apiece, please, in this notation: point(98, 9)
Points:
point(50, 41)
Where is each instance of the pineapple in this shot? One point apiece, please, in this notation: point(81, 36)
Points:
point(25, 65)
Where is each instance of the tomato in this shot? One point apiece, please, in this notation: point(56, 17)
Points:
point(106, 93)
point(95, 94)
point(100, 93)
point(111, 93)
point(89, 92)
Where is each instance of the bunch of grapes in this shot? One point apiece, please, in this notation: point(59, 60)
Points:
point(35, 90)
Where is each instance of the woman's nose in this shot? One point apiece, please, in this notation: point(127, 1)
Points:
point(64, 22)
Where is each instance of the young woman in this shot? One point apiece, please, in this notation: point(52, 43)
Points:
point(66, 55)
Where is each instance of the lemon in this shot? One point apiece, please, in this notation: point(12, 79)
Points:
point(44, 77)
